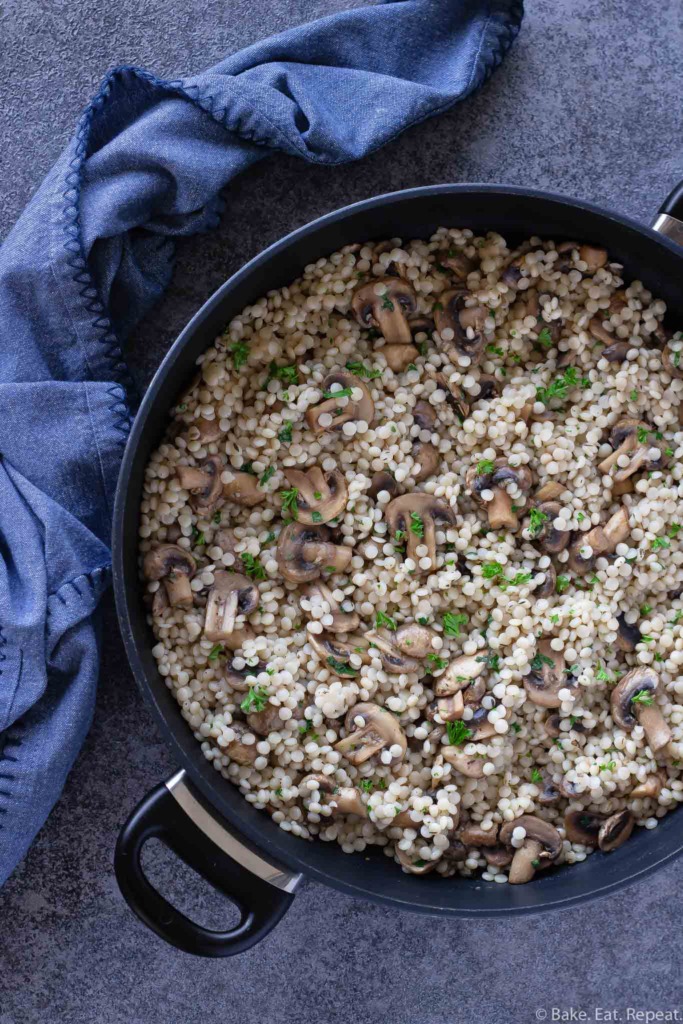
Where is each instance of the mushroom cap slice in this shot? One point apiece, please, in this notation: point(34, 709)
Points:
point(427, 459)
point(593, 257)
point(496, 479)
point(472, 834)
point(379, 730)
point(231, 595)
point(456, 399)
point(204, 484)
point(548, 537)
point(240, 679)
point(266, 721)
point(386, 303)
point(383, 480)
point(415, 517)
point(542, 845)
point(459, 673)
point(304, 552)
point(176, 567)
point(549, 585)
point(321, 497)
point(341, 799)
point(413, 639)
point(244, 490)
point(340, 651)
point(628, 636)
point(466, 323)
point(399, 357)
point(498, 857)
point(583, 826)
point(414, 866)
point(241, 753)
point(615, 830)
point(393, 659)
point(625, 710)
point(344, 409)
point(545, 681)
point(425, 416)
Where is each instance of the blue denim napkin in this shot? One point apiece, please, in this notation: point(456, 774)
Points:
point(88, 258)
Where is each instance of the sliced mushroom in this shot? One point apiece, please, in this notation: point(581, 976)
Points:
point(175, 567)
point(238, 638)
point(465, 322)
point(321, 496)
point(377, 730)
point(386, 303)
point(345, 408)
point(549, 794)
point(459, 673)
point(204, 484)
point(629, 636)
point(340, 799)
point(651, 787)
point(480, 725)
point(460, 264)
point(335, 652)
point(636, 440)
point(231, 595)
point(472, 834)
point(498, 857)
point(615, 831)
point(583, 827)
point(541, 846)
point(552, 726)
point(448, 709)
point(549, 585)
point(399, 357)
point(601, 540)
point(427, 459)
point(467, 764)
point(424, 415)
point(244, 490)
point(241, 679)
point(305, 552)
point(237, 750)
point(341, 621)
point(512, 273)
point(413, 865)
point(414, 518)
point(640, 683)
point(545, 681)
point(207, 430)
point(226, 540)
point(456, 400)
point(489, 387)
point(546, 535)
point(392, 657)
point(266, 721)
point(414, 639)
point(383, 480)
point(549, 491)
point(496, 480)
point(594, 257)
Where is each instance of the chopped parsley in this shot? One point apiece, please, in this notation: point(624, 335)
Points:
point(289, 502)
point(361, 370)
point(495, 350)
point(285, 434)
point(341, 668)
point(216, 651)
point(515, 726)
point(316, 516)
point(660, 542)
point(674, 530)
point(536, 521)
point(240, 353)
point(485, 467)
point(387, 303)
point(385, 620)
point(253, 567)
point(634, 395)
point(342, 393)
point(539, 660)
point(545, 338)
point(643, 697)
point(645, 609)
point(536, 776)
point(603, 674)
point(562, 584)
point(495, 571)
point(198, 537)
point(255, 700)
point(560, 387)
point(266, 475)
point(437, 662)
point(417, 525)
point(216, 517)
point(608, 766)
point(287, 374)
point(458, 733)
point(452, 623)
point(366, 785)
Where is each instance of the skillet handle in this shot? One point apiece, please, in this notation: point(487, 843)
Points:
point(261, 890)
point(669, 220)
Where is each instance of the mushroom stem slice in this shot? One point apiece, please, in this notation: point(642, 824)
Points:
point(399, 357)
point(380, 730)
point(499, 511)
point(192, 479)
point(525, 862)
point(386, 302)
point(657, 731)
point(230, 595)
point(320, 496)
point(178, 590)
point(467, 764)
point(458, 675)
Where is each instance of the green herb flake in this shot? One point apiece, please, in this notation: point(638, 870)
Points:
point(545, 338)
point(266, 475)
point(674, 530)
point(452, 623)
point(341, 668)
point(416, 524)
point(342, 393)
point(634, 395)
point(239, 352)
point(255, 700)
point(316, 517)
point(366, 785)
point(484, 467)
point(458, 733)
point(387, 303)
point(198, 537)
point(361, 370)
point(216, 651)
point(536, 776)
point(385, 620)
point(515, 726)
point(285, 434)
point(539, 660)
point(660, 542)
point(436, 662)
point(608, 766)
point(643, 697)
point(289, 502)
point(562, 584)
point(536, 521)
point(253, 567)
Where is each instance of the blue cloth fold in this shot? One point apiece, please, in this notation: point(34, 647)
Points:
point(89, 257)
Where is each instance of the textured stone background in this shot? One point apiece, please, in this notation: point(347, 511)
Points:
point(588, 104)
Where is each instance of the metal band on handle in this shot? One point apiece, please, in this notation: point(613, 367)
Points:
point(670, 227)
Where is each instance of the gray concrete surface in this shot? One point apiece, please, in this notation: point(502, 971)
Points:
point(588, 104)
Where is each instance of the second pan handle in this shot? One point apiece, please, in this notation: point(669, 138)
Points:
point(669, 220)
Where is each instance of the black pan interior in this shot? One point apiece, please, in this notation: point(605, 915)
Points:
point(515, 213)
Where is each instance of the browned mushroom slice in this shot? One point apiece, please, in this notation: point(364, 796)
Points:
point(413, 518)
point(241, 679)
point(371, 729)
point(321, 496)
point(672, 357)
point(542, 846)
point(549, 491)
point(386, 303)
point(633, 699)
point(542, 528)
point(244, 490)
point(399, 357)
point(207, 430)
point(383, 480)
point(204, 484)
point(549, 585)
point(459, 673)
point(447, 709)
point(306, 552)
point(266, 721)
point(512, 273)
point(337, 653)
point(615, 831)
point(456, 400)
point(341, 621)
point(231, 595)
point(467, 764)
point(175, 567)
point(393, 659)
point(651, 787)
point(495, 477)
point(421, 325)
point(472, 834)
point(594, 257)
point(601, 540)
point(340, 799)
point(427, 460)
point(346, 399)
point(424, 415)
point(413, 864)
point(547, 676)
point(629, 636)
point(237, 750)
point(464, 325)
point(498, 857)
point(583, 826)
point(414, 639)
point(460, 264)
point(636, 440)
point(489, 388)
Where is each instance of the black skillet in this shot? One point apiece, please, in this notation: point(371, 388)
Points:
point(200, 815)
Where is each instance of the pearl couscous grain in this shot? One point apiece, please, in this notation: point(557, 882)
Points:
point(413, 554)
